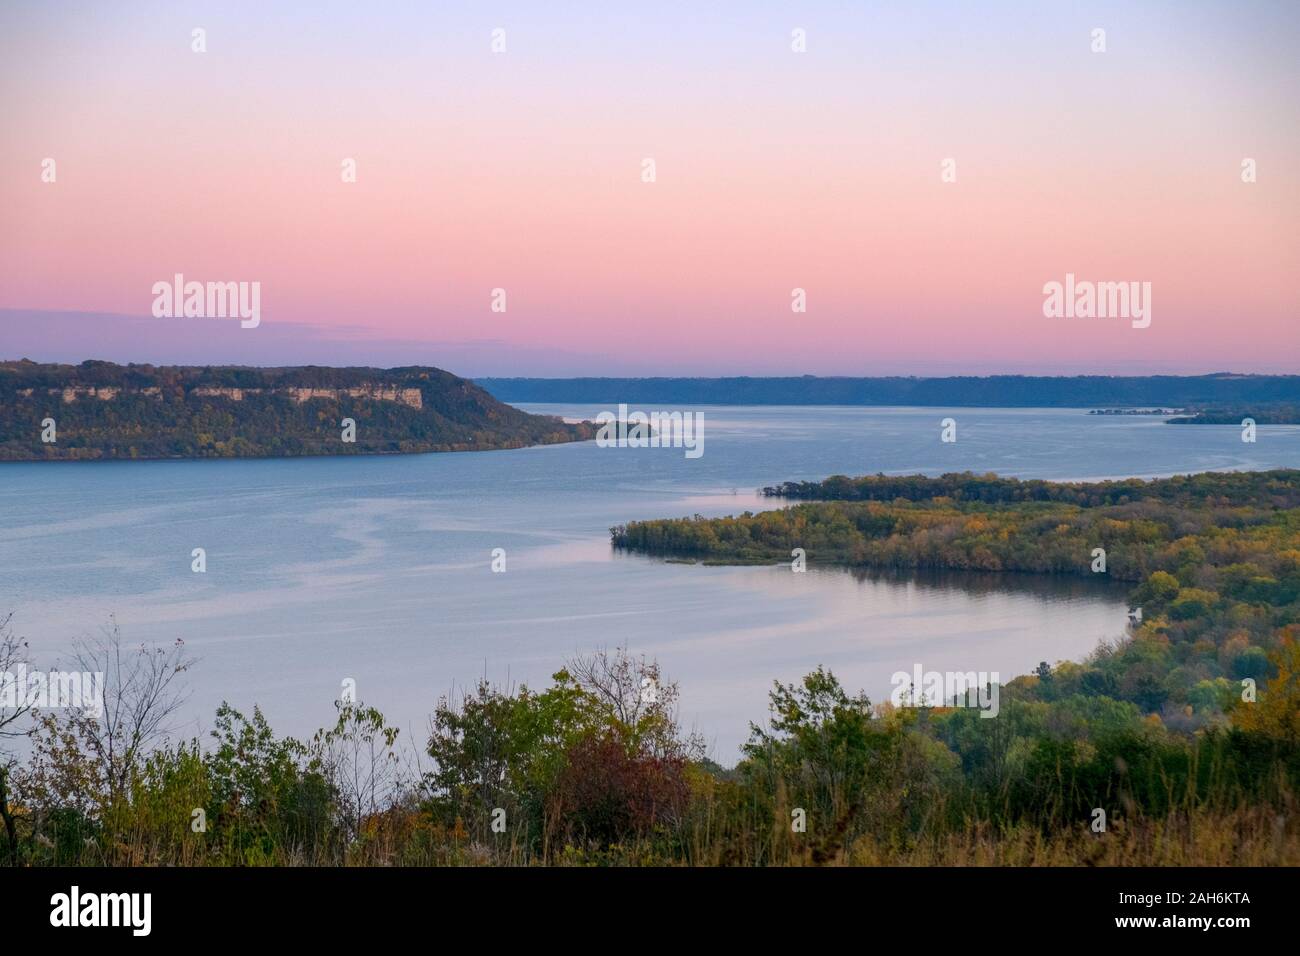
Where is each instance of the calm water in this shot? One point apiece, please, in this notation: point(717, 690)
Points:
point(378, 569)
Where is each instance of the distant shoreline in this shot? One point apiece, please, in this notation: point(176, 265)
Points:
point(1223, 390)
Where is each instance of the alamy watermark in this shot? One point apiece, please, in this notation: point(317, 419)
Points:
point(1081, 299)
point(75, 908)
point(652, 430)
point(21, 689)
point(921, 688)
point(208, 300)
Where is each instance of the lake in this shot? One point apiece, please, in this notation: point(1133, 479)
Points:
point(379, 569)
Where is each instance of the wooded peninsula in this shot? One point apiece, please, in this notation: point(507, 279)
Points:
point(1215, 560)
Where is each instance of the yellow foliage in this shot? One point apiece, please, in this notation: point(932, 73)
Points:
point(1276, 711)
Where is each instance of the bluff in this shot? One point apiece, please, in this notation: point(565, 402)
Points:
point(103, 410)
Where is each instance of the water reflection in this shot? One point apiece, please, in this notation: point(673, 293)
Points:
point(1048, 587)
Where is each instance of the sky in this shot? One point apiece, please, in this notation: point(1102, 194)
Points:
point(774, 170)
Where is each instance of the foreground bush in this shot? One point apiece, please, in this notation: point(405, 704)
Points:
point(593, 770)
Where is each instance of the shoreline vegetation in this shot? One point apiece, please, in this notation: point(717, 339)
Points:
point(100, 410)
point(1136, 411)
point(1264, 414)
point(1179, 744)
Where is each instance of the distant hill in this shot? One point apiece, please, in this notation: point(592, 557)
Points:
point(1083, 391)
point(103, 410)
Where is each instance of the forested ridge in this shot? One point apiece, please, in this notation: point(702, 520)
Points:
point(104, 410)
point(1026, 391)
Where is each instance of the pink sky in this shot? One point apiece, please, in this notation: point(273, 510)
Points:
point(775, 170)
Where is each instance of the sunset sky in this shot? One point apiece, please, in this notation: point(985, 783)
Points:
point(775, 170)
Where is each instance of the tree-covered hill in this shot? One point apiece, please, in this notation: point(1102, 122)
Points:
point(104, 410)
